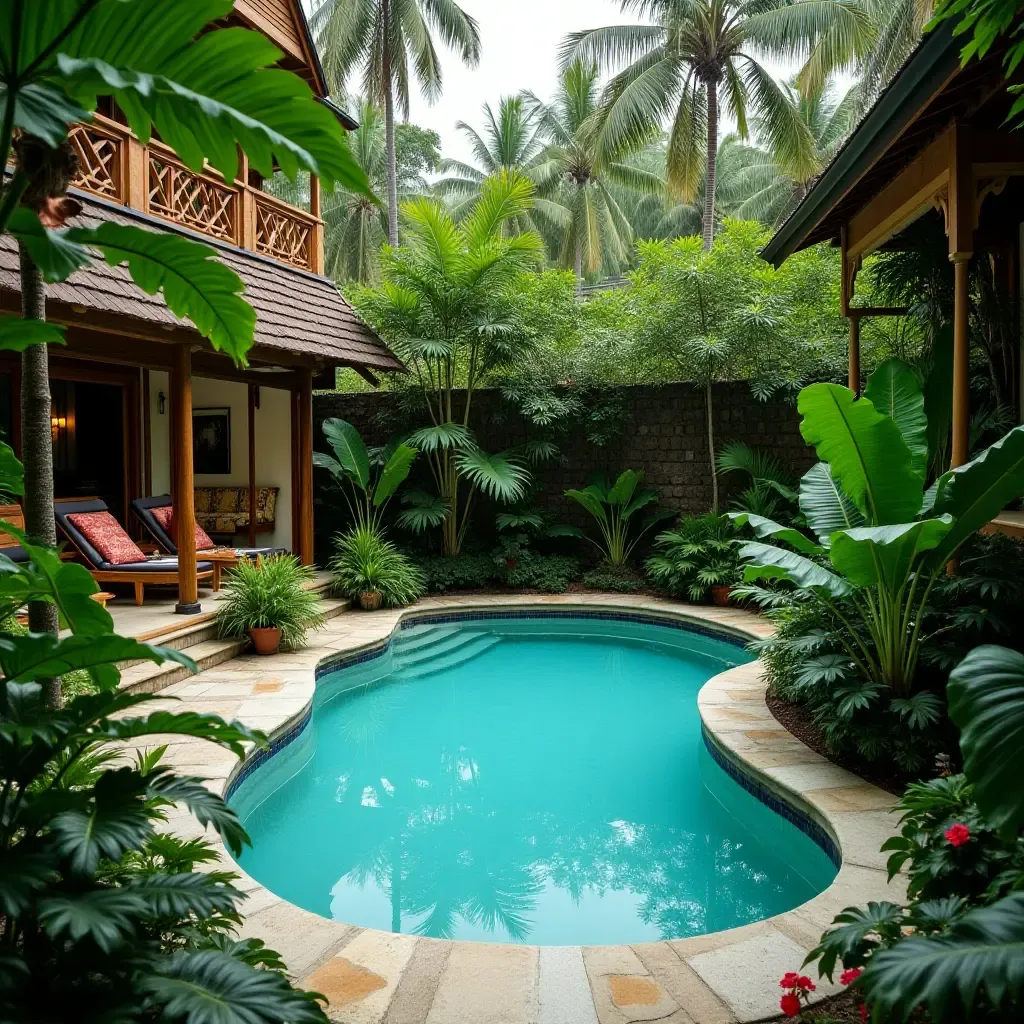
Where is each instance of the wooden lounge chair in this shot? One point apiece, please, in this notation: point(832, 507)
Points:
point(161, 569)
point(143, 508)
point(9, 546)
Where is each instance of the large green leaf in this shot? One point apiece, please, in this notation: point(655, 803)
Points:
point(763, 527)
point(179, 895)
point(444, 435)
point(973, 494)
point(208, 808)
point(768, 562)
point(395, 471)
point(893, 389)
point(349, 447)
point(106, 916)
point(52, 252)
point(824, 505)
point(865, 452)
point(212, 987)
point(499, 476)
point(44, 111)
point(983, 952)
point(232, 735)
point(885, 555)
point(12, 472)
point(986, 701)
point(622, 490)
point(592, 499)
point(17, 334)
point(195, 284)
point(425, 511)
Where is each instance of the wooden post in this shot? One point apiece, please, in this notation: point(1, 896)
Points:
point(316, 255)
point(147, 436)
point(252, 465)
point(961, 361)
point(305, 467)
point(854, 371)
point(183, 495)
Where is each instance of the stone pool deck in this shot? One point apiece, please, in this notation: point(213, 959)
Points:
point(375, 977)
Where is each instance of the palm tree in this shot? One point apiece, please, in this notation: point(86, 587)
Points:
point(385, 40)
point(696, 54)
point(574, 175)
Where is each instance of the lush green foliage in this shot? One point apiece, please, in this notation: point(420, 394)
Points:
point(365, 562)
point(270, 592)
point(697, 554)
point(367, 479)
point(613, 506)
point(457, 572)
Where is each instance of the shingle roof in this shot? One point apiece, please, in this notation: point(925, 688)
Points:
point(296, 311)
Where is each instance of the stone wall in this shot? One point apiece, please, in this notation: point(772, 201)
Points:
point(663, 432)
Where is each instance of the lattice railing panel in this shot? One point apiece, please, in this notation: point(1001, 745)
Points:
point(199, 203)
point(283, 236)
point(99, 161)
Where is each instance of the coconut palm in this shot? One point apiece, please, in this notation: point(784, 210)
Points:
point(697, 55)
point(388, 42)
point(592, 231)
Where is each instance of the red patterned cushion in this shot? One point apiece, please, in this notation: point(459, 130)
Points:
point(164, 515)
point(105, 534)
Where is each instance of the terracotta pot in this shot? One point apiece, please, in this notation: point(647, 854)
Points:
point(266, 639)
point(369, 600)
point(510, 563)
point(721, 594)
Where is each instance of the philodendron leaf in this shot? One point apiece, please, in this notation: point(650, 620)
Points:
point(12, 472)
point(17, 334)
point(885, 555)
point(53, 253)
point(983, 952)
point(396, 469)
point(764, 561)
point(349, 448)
point(973, 494)
point(986, 701)
point(865, 451)
point(824, 505)
point(763, 527)
point(893, 389)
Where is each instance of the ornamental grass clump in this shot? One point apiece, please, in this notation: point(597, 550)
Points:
point(267, 594)
point(364, 562)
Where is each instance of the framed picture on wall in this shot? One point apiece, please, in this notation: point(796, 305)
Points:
point(211, 440)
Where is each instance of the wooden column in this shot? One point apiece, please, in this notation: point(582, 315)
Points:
point(961, 361)
point(853, 376)
point(316, 255)
point(147, 436)
point(252, 465)
point(304, 474)
point(183, 495)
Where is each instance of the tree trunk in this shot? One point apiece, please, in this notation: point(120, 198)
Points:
point(711, 450)
point(711, 178)
point(578, 265)
point(389, 125)
point(37, 451)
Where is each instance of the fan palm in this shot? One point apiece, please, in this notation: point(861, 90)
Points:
point(697, 53)
point(579, 183)
point(389, 41)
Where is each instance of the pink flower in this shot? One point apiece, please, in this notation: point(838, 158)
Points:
point(789, 1004)
point(958, 834)
point(790, 979)
point(804, 983)
point(851, 975)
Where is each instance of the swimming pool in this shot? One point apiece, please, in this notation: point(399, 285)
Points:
point(530, 778)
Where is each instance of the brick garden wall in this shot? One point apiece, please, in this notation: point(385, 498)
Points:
point(663, 432)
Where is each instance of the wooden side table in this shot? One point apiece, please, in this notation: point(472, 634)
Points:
point(221, 559)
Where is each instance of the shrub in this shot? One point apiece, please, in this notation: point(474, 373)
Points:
point(365, 561)
point(552, 573)
point(698, 554)
point(458, 572)
point(623, 580)
point(270, 592)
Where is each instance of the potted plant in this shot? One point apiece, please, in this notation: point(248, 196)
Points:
point(697, 559)
point(269, 601)
point(373, 571)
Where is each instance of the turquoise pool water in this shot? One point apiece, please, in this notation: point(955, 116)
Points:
point(536, 780)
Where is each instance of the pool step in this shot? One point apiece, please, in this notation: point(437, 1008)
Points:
point(406, 643)
point(440, 643)
point(452, 657)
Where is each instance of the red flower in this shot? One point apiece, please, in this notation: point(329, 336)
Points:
point(789, 1004)
point(958, 834)
point(864, 1011)
point(851, 975)
point(804, 983)
point(790, 980)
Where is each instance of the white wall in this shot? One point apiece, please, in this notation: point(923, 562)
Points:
point(273, 443)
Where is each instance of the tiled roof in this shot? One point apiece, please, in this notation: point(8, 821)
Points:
point(296, 311)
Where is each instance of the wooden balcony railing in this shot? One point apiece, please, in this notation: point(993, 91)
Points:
point(113, 164)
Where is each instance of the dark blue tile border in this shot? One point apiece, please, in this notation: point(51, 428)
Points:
point(344, 660)
point(803, 821)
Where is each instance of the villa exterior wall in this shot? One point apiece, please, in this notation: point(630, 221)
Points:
point(662, 431)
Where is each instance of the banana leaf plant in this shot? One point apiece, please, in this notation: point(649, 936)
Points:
point(881, 539)
point(614, 506)
point(368, 477)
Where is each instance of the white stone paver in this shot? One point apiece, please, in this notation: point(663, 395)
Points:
point(374, 977)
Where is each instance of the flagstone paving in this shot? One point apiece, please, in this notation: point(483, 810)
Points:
point(375, 977)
